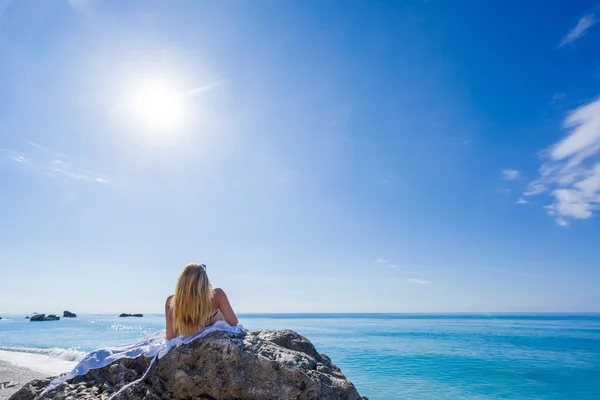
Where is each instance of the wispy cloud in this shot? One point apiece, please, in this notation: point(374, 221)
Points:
point(417, 281)
point(202, 89)
point(570, 172)
point(522, 201)
point(557, 97)
point(380, 260)
point(507, 271)
point(584, 23)
point(84, 6)
point(510, 174)
point(53, 164)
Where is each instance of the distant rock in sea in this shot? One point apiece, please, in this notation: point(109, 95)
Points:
point(26, 317)
point(124, 315)
point(69, 314)
point(250, 365)
point(43, 317)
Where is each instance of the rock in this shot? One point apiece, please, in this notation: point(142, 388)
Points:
point(43, 317)
point(26, 317)
point(263, 365)
point(0, 317)
point(69, 314)
point(130, 315)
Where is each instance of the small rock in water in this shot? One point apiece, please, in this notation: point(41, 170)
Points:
point(43, 317)
point(124, 315)
point(69, 314)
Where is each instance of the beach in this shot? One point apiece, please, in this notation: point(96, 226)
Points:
point(15, 377)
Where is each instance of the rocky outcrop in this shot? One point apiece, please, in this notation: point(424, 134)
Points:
point(130, 315)
point(69, 314)
point(263, 365)
point(43, 317)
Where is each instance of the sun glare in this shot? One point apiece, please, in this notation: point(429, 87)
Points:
point(156, 105)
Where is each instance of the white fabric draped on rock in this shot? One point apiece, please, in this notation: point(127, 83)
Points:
point(155, 345)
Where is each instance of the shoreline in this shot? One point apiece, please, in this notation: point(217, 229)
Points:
point(19, 376)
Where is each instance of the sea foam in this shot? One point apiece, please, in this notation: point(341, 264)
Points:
point(52, 361)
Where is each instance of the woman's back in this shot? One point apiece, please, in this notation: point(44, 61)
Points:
point(196, 304)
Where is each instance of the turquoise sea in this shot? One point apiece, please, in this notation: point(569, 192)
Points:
point(387, 356)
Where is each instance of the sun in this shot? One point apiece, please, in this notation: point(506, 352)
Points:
point(156, 105)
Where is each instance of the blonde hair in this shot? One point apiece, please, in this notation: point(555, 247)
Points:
point(193, 302)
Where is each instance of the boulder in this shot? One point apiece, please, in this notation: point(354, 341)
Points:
point(262, 365)
point(124, 315)
point(69, 314)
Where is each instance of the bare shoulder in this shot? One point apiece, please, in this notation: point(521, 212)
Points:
point(168, 302)
point(219, 292)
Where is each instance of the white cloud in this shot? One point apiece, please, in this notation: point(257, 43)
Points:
point(380, 260)
point(392, 266)
point(521, 201)
point(571, 170)
point(510, 174)
point(417, 281)
point(584, 23)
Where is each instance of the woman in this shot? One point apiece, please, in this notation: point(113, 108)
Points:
point(196, 304)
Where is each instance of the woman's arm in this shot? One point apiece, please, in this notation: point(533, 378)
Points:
point(169, 319)
point(222, 303)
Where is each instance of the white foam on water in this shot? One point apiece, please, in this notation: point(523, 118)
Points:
point(46, 361)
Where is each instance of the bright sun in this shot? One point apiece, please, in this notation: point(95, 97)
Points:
point(156, 105)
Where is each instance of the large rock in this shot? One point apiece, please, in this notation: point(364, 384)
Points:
point(124, 315)
point(263, 365)
point(43, 317)
point(69, 314)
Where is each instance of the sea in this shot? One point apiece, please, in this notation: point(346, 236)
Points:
point(386, 356)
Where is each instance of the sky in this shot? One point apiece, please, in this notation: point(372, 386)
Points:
point(389, 156)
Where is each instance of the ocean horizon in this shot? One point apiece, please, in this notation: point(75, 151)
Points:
point(387, 356)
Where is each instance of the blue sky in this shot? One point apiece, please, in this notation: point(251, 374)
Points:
point(418, 156)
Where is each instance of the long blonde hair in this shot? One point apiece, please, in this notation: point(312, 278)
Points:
point(193, 302)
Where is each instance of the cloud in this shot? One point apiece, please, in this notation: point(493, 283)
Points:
point(570, 172)
point(584, 23)
point(507, 271)
point(510, 174)
point(202, 89)
point(53, 164)
point(521, 201)
point(557, 97)
point(84, 6)
point(417, 281)
point(379, 260)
